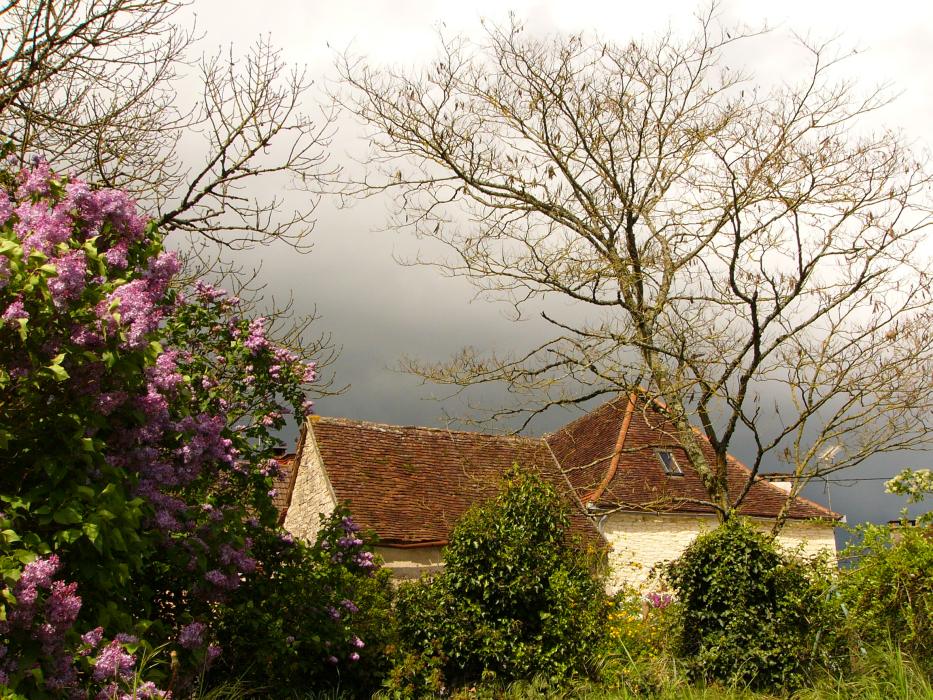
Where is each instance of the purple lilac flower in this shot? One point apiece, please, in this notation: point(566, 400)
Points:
point(257, 336)
point(41, 228)
point(216, 578)
point(6, 208)
point(213, 651)
point(350, 607)
point(357, 642)
point(63, 605)
point(39, 572)
point(192, 636)
point(113, 662)
point(163, 375)
point(72, 270)
point(4, 267)
point(63, 674)
point(93, 637)
point(35, 180)
point(86, 337)
point(16, 310)
point(117, 255)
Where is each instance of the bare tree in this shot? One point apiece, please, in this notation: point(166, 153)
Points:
point(93, 87)
point(748, 255)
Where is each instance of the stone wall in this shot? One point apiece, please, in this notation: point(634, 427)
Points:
point(640, 541)
point(411, 562)
point(312, 494)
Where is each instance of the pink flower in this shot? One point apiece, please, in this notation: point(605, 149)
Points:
point(35, 180)
point(6, 208)
point(113, 662)
point(72, 270)
point(93, 637)
point(41, 228)
point(15, 311)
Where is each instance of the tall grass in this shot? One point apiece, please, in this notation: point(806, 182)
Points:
point(884, 674)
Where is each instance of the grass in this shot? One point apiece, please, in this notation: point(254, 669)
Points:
point(885, 674)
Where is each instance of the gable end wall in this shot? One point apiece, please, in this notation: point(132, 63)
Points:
point(312, 494)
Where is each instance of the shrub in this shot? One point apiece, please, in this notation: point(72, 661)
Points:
point(314, 616)
point(136, 441)
point(514, 599)
point(749, 614)
point(888, 591)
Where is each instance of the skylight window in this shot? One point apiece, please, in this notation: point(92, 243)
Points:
point(671, 468)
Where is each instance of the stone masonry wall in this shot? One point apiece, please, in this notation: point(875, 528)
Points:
point(639, 541)
point(411, 562)
point(312, 494)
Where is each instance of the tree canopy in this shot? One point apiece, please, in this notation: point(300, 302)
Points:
point(748, 254)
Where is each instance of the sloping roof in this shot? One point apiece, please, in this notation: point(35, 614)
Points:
point(283, 483)
point(610, 458)
point(410, 484)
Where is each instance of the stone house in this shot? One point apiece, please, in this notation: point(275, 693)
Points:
point(631, 488)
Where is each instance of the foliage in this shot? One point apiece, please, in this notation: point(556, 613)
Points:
point(888, 590)
point(135, 437)
point(312, 616)
point(514, 598)
point(749, 614)
point(641, 629)
point(916, 485)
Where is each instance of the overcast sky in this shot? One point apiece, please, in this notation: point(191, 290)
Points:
point(378, 310)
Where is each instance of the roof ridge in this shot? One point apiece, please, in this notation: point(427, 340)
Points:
point(617, 452)
point(398, 428)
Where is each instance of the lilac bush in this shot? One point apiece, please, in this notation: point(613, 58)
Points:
point(136, 442)
point(321, 618)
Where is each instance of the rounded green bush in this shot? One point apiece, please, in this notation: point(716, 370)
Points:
point(751, 616)
point(515, 599)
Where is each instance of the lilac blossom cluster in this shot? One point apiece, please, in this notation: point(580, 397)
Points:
point(45, 611)
point(86, 290)
point(348, 547)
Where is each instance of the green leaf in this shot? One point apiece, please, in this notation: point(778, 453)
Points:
point(92, 531)
point(67, 516)
point(68, 536)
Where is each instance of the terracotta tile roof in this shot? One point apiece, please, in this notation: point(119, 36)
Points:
point(410, 484)
point(283, 484)
point(630, 475)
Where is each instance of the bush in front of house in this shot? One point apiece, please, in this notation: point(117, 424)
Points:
point(888, 589)
point(751, 615)
point(515, 599)
point(312, 617)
